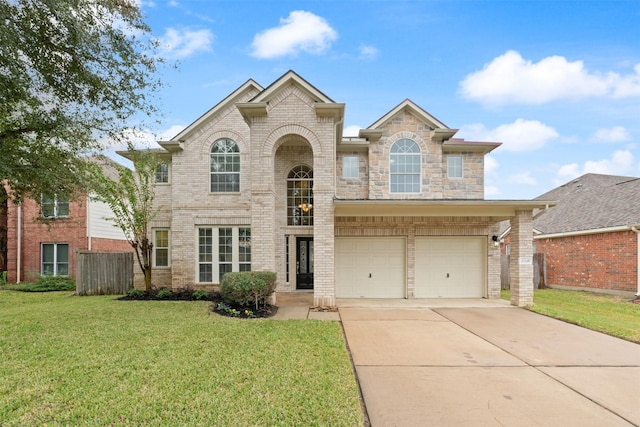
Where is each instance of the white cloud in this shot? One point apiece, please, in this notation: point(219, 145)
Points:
point(180, 44)
point(523, 178)
point(351, 130)
point(613, 134)
point(301, 31)
point(510, 78)
point(491, 190)
point(490, 165)
point(368, 52)
point(620, 163)
point(521, 135)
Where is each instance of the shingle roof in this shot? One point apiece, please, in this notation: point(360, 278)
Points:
point(589, 202)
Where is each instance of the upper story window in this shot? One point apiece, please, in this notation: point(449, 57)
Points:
point(405, 167)
point(350, 166)
point(454, 166)
point(161, 247)
point(54, 207)
point(225, 166)
point(300, 196)
point(162, 173)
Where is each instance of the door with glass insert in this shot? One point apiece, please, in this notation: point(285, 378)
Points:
point(304, 263)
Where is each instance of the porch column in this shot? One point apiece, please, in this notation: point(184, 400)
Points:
point(521, 262)
point(263, 231)
point(324, 293)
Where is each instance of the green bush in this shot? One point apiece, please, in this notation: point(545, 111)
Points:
point(46, 284)
point(248, 287)
point(200, 294)
point(136, 293)
point(3, 278)
point(164, 293)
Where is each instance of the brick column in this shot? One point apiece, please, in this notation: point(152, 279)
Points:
point(493, 273)
point(323, 239)
point(521, 262)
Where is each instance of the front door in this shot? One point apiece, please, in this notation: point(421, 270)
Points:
point(304, 263)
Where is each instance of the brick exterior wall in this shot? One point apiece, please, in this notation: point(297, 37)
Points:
point(602, 262)
point(71, 230)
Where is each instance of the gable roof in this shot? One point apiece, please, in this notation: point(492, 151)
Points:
point(592, 201)
point(291, 77)
point(232, 98)
point(416, 110)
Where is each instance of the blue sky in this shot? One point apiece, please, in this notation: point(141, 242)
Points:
point(557, 82)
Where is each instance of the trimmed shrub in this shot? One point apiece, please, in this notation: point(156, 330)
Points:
point(46, 284)
point(164, 293)
point(248, 287)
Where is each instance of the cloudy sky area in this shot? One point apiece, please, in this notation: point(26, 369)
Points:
point(557, 82)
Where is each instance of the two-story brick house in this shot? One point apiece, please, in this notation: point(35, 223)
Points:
point(265, 181)
point(44, 237)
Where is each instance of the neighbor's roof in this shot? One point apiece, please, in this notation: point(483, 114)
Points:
point(590, 202)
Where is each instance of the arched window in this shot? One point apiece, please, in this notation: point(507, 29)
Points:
point(225, 166)
point(405, 167)
point(300, 196)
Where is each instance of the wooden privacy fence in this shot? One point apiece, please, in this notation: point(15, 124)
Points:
point(539, 272)
point(104, 273)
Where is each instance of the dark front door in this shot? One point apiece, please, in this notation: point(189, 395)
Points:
point(304, 263)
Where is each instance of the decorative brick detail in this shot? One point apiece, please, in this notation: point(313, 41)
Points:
point(521, 260)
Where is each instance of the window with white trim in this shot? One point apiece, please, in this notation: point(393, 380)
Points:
point(54, 207)
point(161, 248)
point(55, 259)
point(405, 167)
point(350, 166)
point(162, 173)
point(454, 166)
point(222, 250)
point(225, 166)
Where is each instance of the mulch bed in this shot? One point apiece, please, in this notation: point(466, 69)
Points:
point(219, 306)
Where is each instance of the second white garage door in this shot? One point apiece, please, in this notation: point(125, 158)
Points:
point(450, 267)
point(367, 267)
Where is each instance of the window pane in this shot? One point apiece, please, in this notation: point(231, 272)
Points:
point(405, 167)
point(48, 253)
point(63, 208)
point(162, 257)
point(205, 273)
point(454, 166)
point(225, 166)
point(162, 173)
point(350, 167)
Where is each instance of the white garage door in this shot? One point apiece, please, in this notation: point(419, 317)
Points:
point(370, 267)
point(450, 267)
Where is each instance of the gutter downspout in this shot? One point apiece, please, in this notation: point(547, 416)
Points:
point(635, 230)
point(19, 245)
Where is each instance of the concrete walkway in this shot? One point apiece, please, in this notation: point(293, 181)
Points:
point(489, 366)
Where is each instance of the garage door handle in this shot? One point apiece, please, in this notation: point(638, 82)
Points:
point(447, 275)
point(369, 275)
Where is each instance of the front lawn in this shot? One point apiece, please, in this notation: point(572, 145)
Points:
point(69, 360)
point(605, 313)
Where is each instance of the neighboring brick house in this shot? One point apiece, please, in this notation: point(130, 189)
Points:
point(265, 181)
point(35, 247)
point(591, 237)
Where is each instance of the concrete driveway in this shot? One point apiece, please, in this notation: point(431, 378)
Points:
point(496, 366)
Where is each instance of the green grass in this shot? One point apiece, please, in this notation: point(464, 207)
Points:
point(604, 313)
point(69, 360)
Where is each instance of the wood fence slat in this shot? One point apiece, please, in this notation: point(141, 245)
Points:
point(104, 273)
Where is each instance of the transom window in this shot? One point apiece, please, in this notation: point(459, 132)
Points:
point(300, 196)
point(55, 259)
point(454, 166)
point(405, 166)
point(225, 166)
point(54, 207)
point(222, 250)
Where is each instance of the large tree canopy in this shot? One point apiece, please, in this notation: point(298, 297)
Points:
point(72, 73)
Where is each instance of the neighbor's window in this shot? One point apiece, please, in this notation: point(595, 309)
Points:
point(300, 196)
point(54, 207)
point(350, 166)
point(231, 253)
point(454, 166)
point(161, 248)
point(55, 259)
point(405, 167)
point(225, 166)
point(162, 173)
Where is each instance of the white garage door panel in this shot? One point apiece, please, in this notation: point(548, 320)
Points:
point(370, 267)
point(450, 267)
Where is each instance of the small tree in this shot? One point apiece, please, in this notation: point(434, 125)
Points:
point(131, 201)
